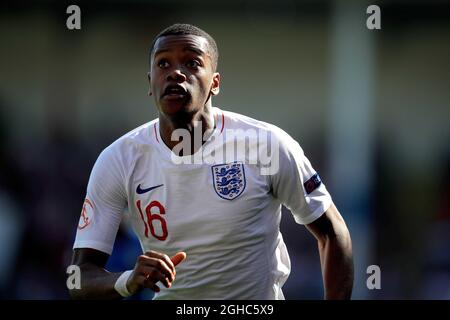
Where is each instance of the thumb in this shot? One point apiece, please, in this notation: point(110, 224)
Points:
point(179, 257)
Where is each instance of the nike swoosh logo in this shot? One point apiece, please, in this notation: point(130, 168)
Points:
point(141, 191)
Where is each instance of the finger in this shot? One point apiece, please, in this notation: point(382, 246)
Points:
point(153, 275)
point(157, 264)
point(147, 283)
point(178, 258)
point(163, 257)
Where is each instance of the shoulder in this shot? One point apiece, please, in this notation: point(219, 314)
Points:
point(236, 121)
point(141, 136)
point(132, 144)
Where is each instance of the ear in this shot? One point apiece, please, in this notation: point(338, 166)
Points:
point(215, 88)
point(149, 84)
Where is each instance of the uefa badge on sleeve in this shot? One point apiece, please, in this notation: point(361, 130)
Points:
point(312, 184)
point(229, 180)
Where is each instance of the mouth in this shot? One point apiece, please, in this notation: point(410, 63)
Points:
point(174, 92)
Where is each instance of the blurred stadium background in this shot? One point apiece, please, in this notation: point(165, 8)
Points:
point(370, 108)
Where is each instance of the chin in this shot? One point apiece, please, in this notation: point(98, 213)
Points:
point(176, 109)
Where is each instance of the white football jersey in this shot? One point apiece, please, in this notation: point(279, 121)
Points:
point(224, 215)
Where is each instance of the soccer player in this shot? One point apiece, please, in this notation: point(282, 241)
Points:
point(208, 230)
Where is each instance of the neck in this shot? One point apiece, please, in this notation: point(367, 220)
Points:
point(202, 120)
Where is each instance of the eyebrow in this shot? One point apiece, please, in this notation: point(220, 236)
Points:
point(195, 50)
point(188, 48)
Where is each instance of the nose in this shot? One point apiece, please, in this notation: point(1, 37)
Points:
point(176, 75)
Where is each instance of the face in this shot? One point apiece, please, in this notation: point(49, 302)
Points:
point(182, 76)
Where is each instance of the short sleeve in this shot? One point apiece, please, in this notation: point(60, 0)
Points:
point(296, 184)
point(104, 204)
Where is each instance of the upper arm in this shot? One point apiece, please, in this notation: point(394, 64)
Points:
point(297, 184)
point(330, 224)
point(106, 199)
point(85, 256)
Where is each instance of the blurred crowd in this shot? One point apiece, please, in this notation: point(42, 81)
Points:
point(65, 96)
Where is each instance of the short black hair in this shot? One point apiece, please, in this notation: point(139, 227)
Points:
point(189, 29)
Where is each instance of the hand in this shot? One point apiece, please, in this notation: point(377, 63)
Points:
point(152, 267)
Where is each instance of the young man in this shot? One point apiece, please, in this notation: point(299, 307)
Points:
point(208, 229)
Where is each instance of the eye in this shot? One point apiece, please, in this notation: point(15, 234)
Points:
point(193, 64)
point(163, 63)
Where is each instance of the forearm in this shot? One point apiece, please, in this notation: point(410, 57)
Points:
point(337, 265)
point(96, 283)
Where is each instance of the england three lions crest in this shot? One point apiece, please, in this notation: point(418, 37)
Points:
point(229, 180)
